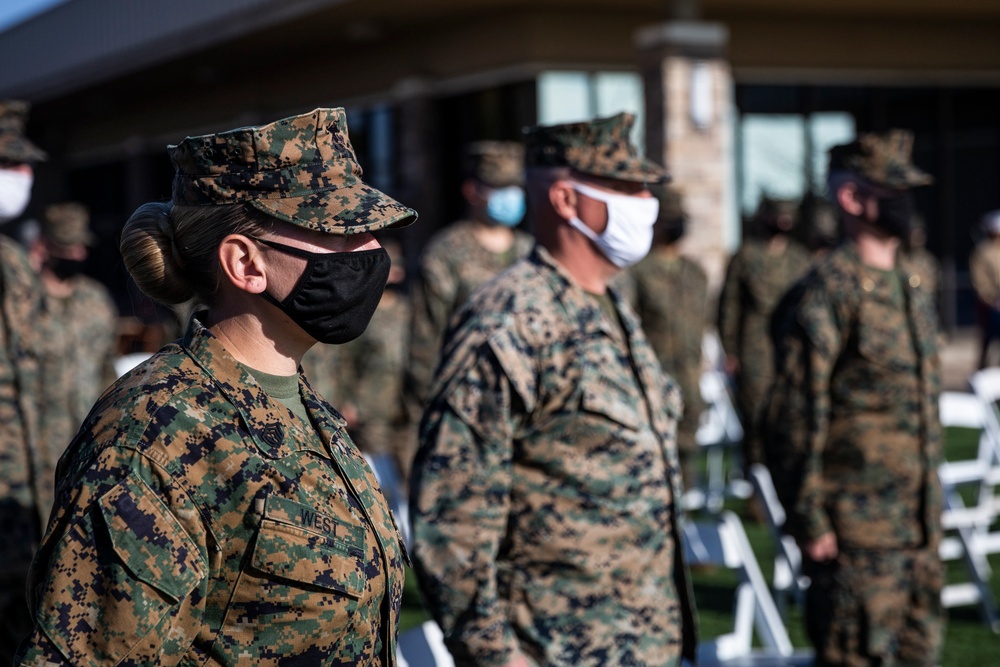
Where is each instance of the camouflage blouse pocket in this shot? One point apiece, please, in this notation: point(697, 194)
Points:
point(884, 337)
point(605, 396)
point(116, 575)
point(325, 561)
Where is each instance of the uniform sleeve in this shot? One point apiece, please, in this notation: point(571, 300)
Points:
point(120, 583)
point(729, 307)
point(797, 411)
point(459, 506)
point(433, 303)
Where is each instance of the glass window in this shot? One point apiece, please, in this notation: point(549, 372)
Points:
point(566, 97)
point(784, 155)
point(773, 150)
point(827, 130)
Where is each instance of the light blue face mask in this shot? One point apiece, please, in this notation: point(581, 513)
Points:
point(506, 205)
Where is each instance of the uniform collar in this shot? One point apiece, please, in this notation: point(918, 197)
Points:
point(265, 418)
point(579, 305)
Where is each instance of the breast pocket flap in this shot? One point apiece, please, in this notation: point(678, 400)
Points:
point(150, 540)
point(311, 548)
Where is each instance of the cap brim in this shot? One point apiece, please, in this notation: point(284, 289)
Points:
point(638, 170)
point(19, 149)
point(345, 210)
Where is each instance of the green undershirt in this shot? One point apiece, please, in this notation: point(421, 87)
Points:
point(282, 388)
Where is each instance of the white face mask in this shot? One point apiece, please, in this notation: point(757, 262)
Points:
point(15, 193)
point(629, 233)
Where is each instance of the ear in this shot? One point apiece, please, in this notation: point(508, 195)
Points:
point(471, 192)
point(562, 196)
point(243, 264)
point(849, 199)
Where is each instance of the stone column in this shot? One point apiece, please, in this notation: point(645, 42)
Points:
point(689, 128)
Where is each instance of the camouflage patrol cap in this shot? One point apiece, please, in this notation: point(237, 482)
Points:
point(14, 145)
point(882, 158)
point(301, 170)
point(67, 224)
point(498, 164)
point(600, 147)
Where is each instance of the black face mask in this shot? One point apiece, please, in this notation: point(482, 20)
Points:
point(337, 294)
point(895, 214)
point(670, 231)
point(65, 269)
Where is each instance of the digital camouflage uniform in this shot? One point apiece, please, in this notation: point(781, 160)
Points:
point(86, 321)
point(922, 263)
point(249, 537)
point(536, 414)
point(378, 361)
point(756, 279)
point(672, 304)
point(26, 461)
point(80, 364)
point(544, 493)
point(854, 444)
point(454, 264)
point(326, 368)
point(200, 521)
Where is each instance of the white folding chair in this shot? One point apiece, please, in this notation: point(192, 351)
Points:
point(986, 385)
point(723, 542)
point(719, 428)
point(423, 646)
point(127, 362)
point(968, 529)
point(387, 475)
point(788, 580)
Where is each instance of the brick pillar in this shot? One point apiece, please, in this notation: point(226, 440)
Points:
point(689, 128)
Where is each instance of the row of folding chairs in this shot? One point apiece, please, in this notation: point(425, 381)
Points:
point(971, 517)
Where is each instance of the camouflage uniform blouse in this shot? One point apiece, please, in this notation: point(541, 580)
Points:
point(199, 522)
point(755, 281)
point(453, 265)
point(852, 425)
point(89, 321)
point(543, 492)
point(671, 297)
point(26, 462)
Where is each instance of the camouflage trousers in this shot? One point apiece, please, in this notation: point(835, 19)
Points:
point(687, 448)
point(751, 390)
point(876, 608)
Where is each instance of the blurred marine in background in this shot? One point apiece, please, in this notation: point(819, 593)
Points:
point(469, 252)
point(759, 274)
point(854, 440)
point(82, 316)
point(671, 299)
point(27, 464)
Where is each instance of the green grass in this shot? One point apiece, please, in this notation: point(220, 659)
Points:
point(967, 640)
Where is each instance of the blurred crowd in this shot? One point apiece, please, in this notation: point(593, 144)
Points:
point(535, 387)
